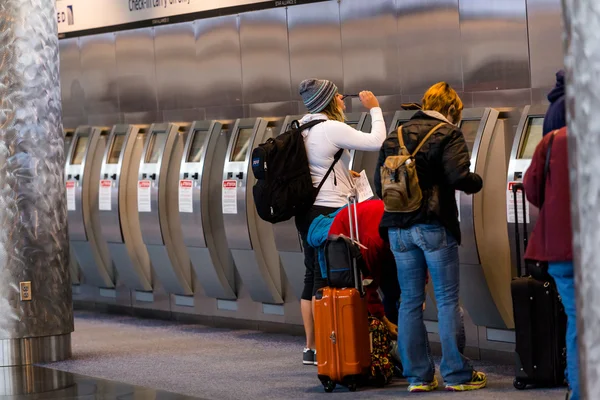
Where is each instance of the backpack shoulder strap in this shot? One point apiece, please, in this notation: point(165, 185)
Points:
point(308, 125)
point(431, 132)
point(336, 158)
point(401, 140)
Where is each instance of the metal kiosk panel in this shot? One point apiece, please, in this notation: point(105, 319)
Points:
point(529, 134)
point(200, 208)
point(82, 170)
point(400, 117)
point(117, 204)
point(157, 198)
point(483, 281)
point(73, 265)
point(251, 240)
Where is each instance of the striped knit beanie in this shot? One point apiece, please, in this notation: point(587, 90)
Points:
point(316, 94)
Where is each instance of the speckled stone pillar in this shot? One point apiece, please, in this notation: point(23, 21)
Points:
point(582, 61)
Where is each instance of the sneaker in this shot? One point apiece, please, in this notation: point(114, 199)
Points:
point(309, 357)
point(423, 387)
point(478, 381)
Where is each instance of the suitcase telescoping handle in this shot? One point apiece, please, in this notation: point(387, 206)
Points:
point(521, 265)
point(353, 221)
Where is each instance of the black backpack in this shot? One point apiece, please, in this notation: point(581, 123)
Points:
point(284, 186)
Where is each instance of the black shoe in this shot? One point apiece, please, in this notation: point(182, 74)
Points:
point(309, 357)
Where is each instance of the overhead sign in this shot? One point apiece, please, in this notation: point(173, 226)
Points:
point(85, 15)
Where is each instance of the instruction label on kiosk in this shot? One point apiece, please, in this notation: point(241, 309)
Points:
point(186, 204)
point(510, 205)
point(144, 196)
point(70, 195)
point(363, 187)
point(229, 199)
point(104, 194)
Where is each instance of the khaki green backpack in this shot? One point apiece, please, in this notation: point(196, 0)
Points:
point(399, 180)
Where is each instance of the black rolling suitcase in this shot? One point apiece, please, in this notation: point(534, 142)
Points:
point(540, 320)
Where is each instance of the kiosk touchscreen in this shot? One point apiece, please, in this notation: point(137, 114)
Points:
point(200, 206)
point(529, 135)
point(82, 172)
point(117, 205)
point(157, 202)
point(250, 239)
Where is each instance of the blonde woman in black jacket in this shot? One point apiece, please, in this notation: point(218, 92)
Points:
point(428, 239)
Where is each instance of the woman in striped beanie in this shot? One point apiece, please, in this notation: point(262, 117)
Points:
point(323, 141)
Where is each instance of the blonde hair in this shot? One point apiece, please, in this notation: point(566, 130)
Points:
point(443, 99)
point(332, 111)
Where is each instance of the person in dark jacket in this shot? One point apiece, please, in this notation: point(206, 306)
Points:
point(556, 116)
point(429, 238)
point(551, 239)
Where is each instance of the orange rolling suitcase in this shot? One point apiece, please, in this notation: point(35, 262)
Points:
point(342, 328)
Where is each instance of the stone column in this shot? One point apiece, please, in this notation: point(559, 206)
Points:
point(34, 245)
point(582, 62)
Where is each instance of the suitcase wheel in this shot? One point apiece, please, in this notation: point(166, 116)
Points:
point(329, 386)
point(520, 385)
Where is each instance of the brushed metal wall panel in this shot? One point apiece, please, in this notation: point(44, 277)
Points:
point(495, 48)
point(73, 95)
point(279, 109)
point(189, 115)
point(136, 70)
point(502, 98)
point(219, 73)
point(99, 73)
point(265, 56)
point(34, 242)
point(370, 46)
point(105, 119)
point(315, 44)
point(540, 96)
point(74, 122)
point(544, 19)
point(429, 44)
point(227, 112)
point(142, 117)
point(177, 77)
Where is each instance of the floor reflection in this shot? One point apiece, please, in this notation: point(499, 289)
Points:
point(33, 382)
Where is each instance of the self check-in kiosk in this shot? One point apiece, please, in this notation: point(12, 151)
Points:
point(287, 239)
point(200, 208)
point(400, 117)
point(529, 134)
point(117, 205)
point(82, 172)
point(250, 239)
point(157, 198)
point(484, 253)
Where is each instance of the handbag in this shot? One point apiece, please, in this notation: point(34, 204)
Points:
point(539, 269)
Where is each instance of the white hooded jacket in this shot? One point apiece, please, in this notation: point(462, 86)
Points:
point(324, 140)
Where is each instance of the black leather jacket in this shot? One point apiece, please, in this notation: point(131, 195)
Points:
point(443, 166)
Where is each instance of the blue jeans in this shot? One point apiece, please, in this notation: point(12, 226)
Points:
point(416, 249)
point(562, 272)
